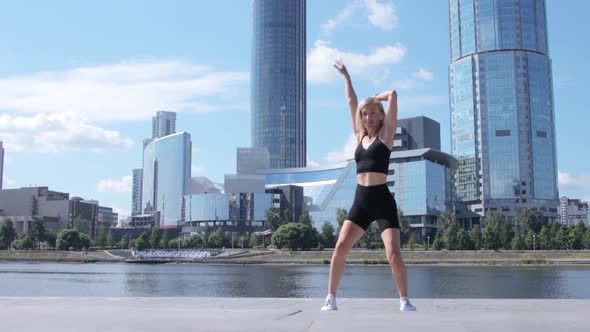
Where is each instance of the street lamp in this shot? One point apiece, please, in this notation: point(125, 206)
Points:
point(428, 243)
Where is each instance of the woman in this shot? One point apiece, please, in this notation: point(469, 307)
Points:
point(374, 129)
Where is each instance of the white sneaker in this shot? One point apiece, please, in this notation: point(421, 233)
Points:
point(330, 304)
point(406, 306)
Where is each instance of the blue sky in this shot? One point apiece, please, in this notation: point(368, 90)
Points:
point(80, 81)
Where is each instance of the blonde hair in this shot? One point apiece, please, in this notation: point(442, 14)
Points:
point(361, 131)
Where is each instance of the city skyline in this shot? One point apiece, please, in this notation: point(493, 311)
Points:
point(74, 118)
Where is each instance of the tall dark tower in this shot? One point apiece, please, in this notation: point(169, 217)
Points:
point(502, 116)
point(278, 95)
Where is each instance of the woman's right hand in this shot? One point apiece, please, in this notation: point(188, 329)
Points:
point(341, 68)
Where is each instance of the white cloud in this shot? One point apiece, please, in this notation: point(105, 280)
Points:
point(407, 83)
point(124, 91)
point(347, 152)
point(321, 57)
point(124, 185)
point(341, 17)
point(382, 15)
point(424, 74)
point(569, 181)
point(58, 132)
point(311, 163)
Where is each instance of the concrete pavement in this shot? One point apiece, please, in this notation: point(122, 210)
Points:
point(288, 314)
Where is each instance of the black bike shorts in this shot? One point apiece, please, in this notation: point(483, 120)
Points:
point(374, 203)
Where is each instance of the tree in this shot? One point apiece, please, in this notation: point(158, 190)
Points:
point(576, 236)
point(328, 237)
point(255, 241)
point(475, 235)
point(218, 239)
point(463, 240)
point(340, 217)
point(505, 235)
point(125, 241)
point(447, 232)
point(293, 236)
point(38, 231)
point(50, 238)
point(141, 242)
point(272, 218)
point(26, 242)
point(82, 225)
point(101, 237)
point(193, 241)
point(110, 239)
point(165, 241)
point(305, 219)
point(528, 218)
point(530, 240)
point(493, 224)
point(287, 217)
point(206, 235)
point(560, 238)
point(404, 228)
point(587, 238)
point(545, 238)
point(517, 242)
point(71, 238)
point(7, 233)
point(412, 239)
point(155, 237)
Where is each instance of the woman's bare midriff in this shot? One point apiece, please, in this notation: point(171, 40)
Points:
point(371, 179)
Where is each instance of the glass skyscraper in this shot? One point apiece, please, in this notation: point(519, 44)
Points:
point(166, 177)
point(278, 81)
point(501, 98)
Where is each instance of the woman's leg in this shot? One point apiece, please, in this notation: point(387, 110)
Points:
point(391, 239)
point(349, 235)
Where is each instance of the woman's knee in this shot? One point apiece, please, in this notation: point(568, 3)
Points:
point(394, 258)
point(341, 248)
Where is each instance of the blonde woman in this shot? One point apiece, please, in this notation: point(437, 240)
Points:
point(374, 129)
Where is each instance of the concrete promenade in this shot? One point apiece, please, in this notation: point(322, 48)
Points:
point(288, 314)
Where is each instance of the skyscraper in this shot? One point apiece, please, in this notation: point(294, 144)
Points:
point(163, 124)
point(501, 96)
point(278, 81)
point(1, 163)
point(137, 191)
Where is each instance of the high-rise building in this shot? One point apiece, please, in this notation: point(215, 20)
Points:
point(501, 98)
point(278, 95)
point(417, 133)
point(163, 124)
point(1, 164)
point(166, 178)
point(136, 192)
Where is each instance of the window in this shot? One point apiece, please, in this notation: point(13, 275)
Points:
point(541, 133)
point(502, 133)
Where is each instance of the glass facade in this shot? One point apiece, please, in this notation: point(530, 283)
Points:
point(278, 81)
point(502, 118)
point(232, 207)
point(166, 177)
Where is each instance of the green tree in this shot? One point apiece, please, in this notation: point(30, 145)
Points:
point(305, 219)
point(530, 240)
point(71, 238)
point(110, 239)
point(50, 238)
point(587, 238)
point(475, 235)
point(493, 224)
point(165, 241)
point(404, 228)
point(141, 242)
point(528, 218)
point(101, 237)
point(412, 239)
point(463, 240)
point(446, 235)
point(517, 242)
point(576, 236)
point(206, 235)
point(26, 242)
point(505, 235)
point(125, 241)
point(82, 225)
point(218, 239)
point(545, 238)
point(7, 234)
point(293, 236)
point(560, 238)
point(340, 217)
point(272, 218)
point(287, 216)
point(38, 231)
point(328, 237)
point(155, 237)
point(194, 241)
point(254, 241)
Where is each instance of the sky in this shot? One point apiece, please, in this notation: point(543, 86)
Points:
point(80, 82)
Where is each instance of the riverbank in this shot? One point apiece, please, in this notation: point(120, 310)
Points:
point(362, 257)
point(289, 314)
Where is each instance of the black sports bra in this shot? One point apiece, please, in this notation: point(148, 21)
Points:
point(373, 159)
